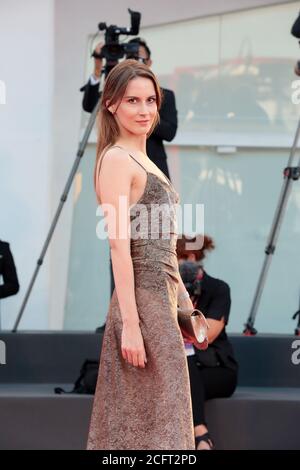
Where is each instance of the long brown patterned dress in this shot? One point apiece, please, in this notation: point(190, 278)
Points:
point(150, 408)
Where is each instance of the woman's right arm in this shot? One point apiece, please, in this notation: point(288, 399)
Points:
point(114, 185)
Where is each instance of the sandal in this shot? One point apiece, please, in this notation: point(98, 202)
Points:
point(206, 438)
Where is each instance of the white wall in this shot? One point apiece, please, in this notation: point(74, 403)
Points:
point(26, 51)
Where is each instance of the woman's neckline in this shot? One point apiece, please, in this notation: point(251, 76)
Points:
point(139, 201)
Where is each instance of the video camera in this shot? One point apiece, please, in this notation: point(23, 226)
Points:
point(112, 50)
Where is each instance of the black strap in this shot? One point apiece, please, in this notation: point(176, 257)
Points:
point(130, 156)
point(125, 151)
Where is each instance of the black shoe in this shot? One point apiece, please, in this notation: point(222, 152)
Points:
point(205, 437)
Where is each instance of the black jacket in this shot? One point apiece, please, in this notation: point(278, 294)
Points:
point(214, 302)
point(296, 28)
point(165, 130)
point(8, 271)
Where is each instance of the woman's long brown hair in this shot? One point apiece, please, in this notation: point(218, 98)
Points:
point(113, 91)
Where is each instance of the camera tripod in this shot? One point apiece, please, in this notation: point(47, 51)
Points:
point(63, 198)
point(290, 174)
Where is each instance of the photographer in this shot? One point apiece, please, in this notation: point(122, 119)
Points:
point(8, 271)
point(213, 372)
point(295, 31)
point(165, 130)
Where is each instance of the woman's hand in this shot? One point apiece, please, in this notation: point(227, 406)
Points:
point(98, 62)
point(133, 349)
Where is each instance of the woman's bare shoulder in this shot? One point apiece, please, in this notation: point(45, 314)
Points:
point(115, 159)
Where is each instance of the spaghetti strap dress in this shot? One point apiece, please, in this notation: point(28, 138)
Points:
point(146, 408)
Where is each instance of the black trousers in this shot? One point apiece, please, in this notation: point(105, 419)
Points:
point(207, 383)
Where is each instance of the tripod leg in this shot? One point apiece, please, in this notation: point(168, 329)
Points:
point(63, 199)
point(290, 174)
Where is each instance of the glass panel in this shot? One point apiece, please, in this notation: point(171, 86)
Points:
point(240, 193)
point(231, 73)
point(232, 77)
point(88, 291)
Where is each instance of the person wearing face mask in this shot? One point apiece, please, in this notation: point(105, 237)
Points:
point(213, 372)
point(167, 127)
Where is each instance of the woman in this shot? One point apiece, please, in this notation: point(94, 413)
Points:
point(142, 398)
point(213, 372)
